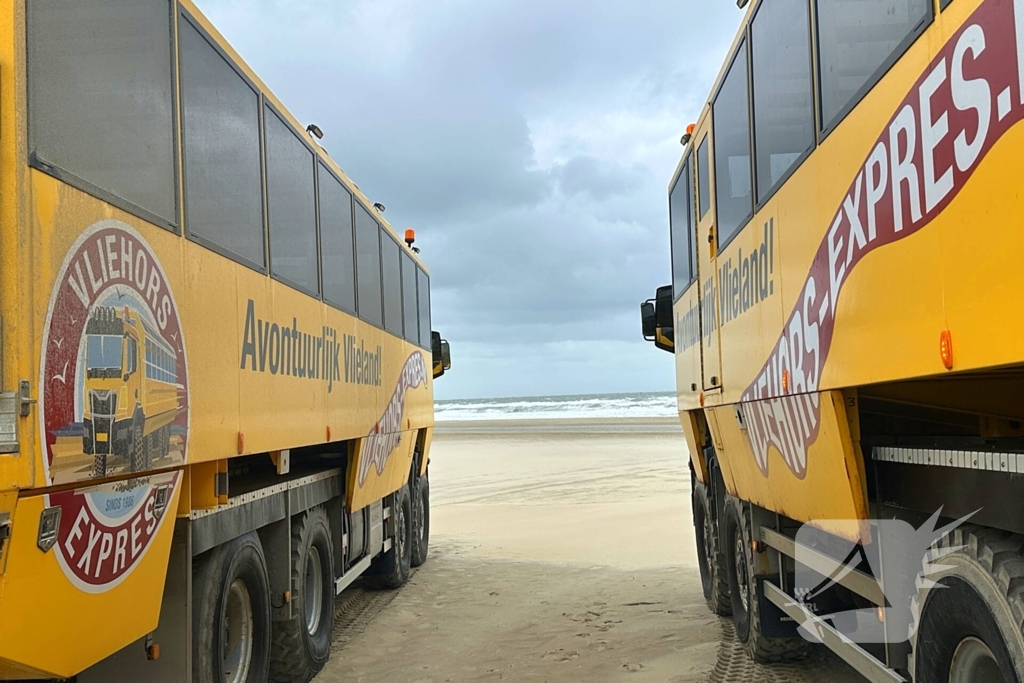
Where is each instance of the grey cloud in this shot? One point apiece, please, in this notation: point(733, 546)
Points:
point(599, 178)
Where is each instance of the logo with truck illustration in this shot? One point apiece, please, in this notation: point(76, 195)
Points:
point(130, 399)
point(114, 377)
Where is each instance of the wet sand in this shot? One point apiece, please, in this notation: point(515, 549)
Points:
point(561, 550)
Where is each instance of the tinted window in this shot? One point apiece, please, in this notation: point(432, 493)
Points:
point(680, 201)
point(733, 198)
point(368, 266)
point(291, 205)
point(339, 271)
point(704, 177)
point(783, 108)
point(391, 267)
point(101, 97)
point(424, 306)
point(856, 39)
point(409, 303)
point(221, 123)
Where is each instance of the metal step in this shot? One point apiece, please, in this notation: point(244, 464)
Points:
point(850, 652)
point(857, 581)
point(352, 574)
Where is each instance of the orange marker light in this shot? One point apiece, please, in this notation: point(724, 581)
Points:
point(328, 432)
point(785, 381)
point(410, 236)
point(946, 348)
point(701, 399)
point(241, 443)
point(690, 128)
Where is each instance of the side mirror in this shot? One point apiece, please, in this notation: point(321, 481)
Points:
point(446, 355)
point(647, 321)
point(436, 351)
point(657, 321)
point(663, 307)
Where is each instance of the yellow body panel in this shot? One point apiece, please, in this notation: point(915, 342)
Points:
point(227, 386)
point(848, 308)
point(46, 615)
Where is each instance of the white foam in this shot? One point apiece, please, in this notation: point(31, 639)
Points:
point(527, 408)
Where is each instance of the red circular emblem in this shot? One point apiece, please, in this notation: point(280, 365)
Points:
point(113, 396)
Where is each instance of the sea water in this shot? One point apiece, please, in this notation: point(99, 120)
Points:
point(654, 404)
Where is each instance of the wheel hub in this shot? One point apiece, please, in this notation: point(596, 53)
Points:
point(706, 541)
point(421, 511)
point(314, 587)
point(742, 580)
point(238, 633)
point(400, 533)
point(973, 662)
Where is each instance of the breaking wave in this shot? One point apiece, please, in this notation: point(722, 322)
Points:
point(661, 404)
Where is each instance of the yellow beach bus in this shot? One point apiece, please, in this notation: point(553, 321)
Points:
point(216, 392)
point(846, 322)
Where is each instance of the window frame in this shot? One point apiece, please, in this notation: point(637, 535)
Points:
point(268, 253)
point(688, 157)
point(355, 254)
point(719, 244)
point(812, 48)
point(322, 162)
point(106, 196)
point(264, 268)
point(406, 255)
point(702, 211)
point(420, 270)
point(826, 129)
point(386, 234)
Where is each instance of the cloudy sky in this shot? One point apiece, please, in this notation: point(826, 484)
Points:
point(529, 143)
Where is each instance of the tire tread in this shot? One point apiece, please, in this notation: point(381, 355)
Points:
point(288, 660)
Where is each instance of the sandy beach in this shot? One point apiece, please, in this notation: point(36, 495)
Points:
point(561, 550)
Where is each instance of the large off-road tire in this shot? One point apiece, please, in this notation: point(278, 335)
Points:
point(300, 647)
point(970, 628)
point(714, 573)
point(138, 449)
point(231, 613)
point(420, 521)
point(737, 537)
point(391, 569)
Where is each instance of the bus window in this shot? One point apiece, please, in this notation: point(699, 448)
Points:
point(682, 230)
point(733, 199)
point(221, 131)
point(704, 177)
point(780, 52)
point(412, 321)
point(101, 100)
point(391, 267)
point(291, 205)
point(856, 41)
point(339, 270)
point(423, 285)
point(368, 267)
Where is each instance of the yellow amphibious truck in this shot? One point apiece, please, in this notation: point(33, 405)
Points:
point(847, 223)
point(216, 361)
